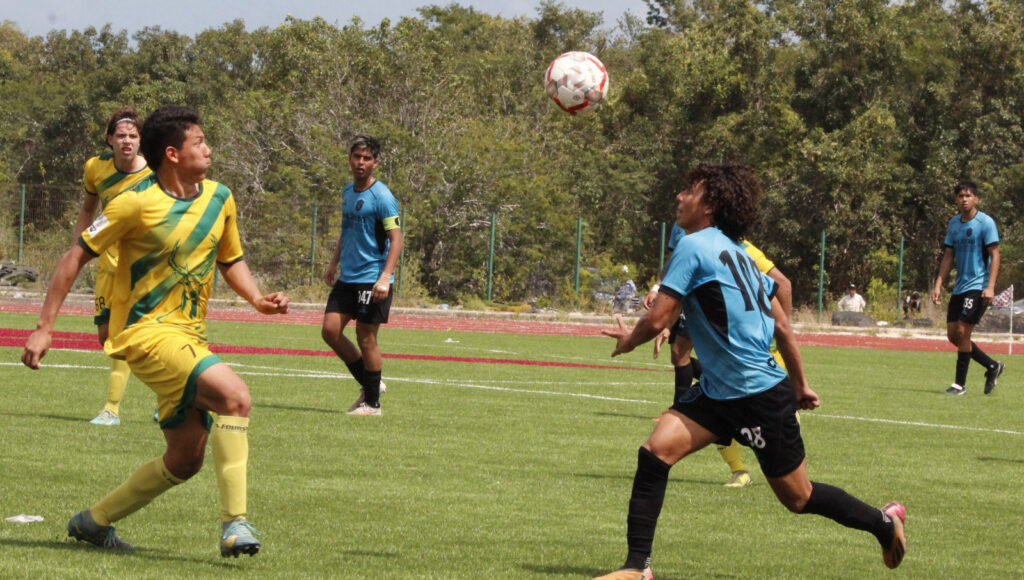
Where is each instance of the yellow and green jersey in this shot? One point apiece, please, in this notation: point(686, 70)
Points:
point(764, 265)
point(104, 180)
point(168, 250)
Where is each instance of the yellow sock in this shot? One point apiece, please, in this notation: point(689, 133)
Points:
point(146, 483)
point(230, 444)
point(731, 455)
point(119, 373)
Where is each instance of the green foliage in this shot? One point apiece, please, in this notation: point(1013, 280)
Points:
point(859, 117)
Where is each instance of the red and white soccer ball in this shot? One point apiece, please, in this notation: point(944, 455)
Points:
point(576, 81)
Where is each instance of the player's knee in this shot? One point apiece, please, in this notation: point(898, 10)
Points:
point(184, 466)
point(238, 403)
point(328, 334)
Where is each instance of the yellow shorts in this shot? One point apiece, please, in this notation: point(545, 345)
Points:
point(169, 362)
point(104, 291)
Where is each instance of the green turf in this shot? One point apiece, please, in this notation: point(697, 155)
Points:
point(509, 471)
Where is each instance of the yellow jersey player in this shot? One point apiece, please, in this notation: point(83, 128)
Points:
point(106, 176)
point(171, 231)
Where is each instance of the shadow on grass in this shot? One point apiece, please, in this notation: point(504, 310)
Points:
point(68, 546)
point(302, 409)
point(629, 477)
point(1001, 459)
point(578, 571)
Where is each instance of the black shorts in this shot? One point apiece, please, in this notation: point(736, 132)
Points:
point(765, 422)
point(967, 307)
point(355, 301)
point(678, 329)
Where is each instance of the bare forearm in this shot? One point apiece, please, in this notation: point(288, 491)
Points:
point(240, 279)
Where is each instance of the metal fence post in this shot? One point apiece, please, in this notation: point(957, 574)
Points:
point(490, 260)
point(21, 223)
point(312, 249)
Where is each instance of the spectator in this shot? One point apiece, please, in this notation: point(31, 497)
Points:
point(912, 305)
point(852, 302)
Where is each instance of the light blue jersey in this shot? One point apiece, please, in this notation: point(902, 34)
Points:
point(674, 237)
point(969, 241)
point(727, 303)
point(365, 218)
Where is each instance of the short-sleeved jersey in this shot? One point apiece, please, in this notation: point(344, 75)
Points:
point(674, 237)
point(169, 248)
point(104, 180)
point(727, 303)
point(366, 217)
point(970, 241)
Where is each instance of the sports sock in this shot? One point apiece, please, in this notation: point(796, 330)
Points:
point(684, 380)
point(963, 362)
point(146, 483)
point(731, 454)
point(697, 369)
point(119, 373)
point(981, 358)
point(371, 388)
point(644, 507)
point(834, 503)
point(357, 369)
point(229, 441)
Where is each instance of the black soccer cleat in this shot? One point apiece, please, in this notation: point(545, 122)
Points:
point(992, 375)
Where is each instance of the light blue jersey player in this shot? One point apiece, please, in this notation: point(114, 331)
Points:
point(972, 243)
point(366, 218)
point(727, 304)
point(361, 273)
point(732, 314)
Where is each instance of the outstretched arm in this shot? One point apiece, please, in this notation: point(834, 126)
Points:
point(71, 263)
point(238, 276)
point(664, 312)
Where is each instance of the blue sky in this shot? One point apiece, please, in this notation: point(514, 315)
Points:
point(37, 17)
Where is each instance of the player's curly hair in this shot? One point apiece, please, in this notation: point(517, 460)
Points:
point(165, 127)
point(733, 192)
point(126, 113)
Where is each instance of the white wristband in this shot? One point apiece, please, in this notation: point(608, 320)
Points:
point(655, 287)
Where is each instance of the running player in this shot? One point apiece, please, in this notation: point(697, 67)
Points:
point(105, 176)
point(972, 241)
point(171, 231)
point(687, 369)
point(732, 312)
point(368, 250)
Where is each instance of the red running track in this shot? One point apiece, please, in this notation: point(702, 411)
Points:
point(535, 327)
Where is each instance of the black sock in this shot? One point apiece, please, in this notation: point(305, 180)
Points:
point(357, 369)
point(644, 507)
point(981, 358)
point(371, 388)
point(697, 370)
point(684, 379)
point(834, 503)
point(963, 362)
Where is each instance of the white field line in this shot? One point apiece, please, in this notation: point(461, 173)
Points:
point(305, 373)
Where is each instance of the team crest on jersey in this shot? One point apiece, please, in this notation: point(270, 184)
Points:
point(969, 232)
point(359, 205)
point(98, 225)
point(191, 281)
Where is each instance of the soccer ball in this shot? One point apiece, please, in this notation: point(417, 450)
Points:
point(576, 81)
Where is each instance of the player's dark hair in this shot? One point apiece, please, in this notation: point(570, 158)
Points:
point(364, 141)
point(126, 113)
point(966, 186)
point(163, 128)
point(733, 192)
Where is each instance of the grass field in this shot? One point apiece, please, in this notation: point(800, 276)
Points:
point(484, 470)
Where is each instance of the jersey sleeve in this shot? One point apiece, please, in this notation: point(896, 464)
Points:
point(388, 211)
point(89, 177)
point(948, 242)
point(990, 236)
point(230, 249)
point(764, 265)
point(675, 235)
point(682, 272)
point(121, 215)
